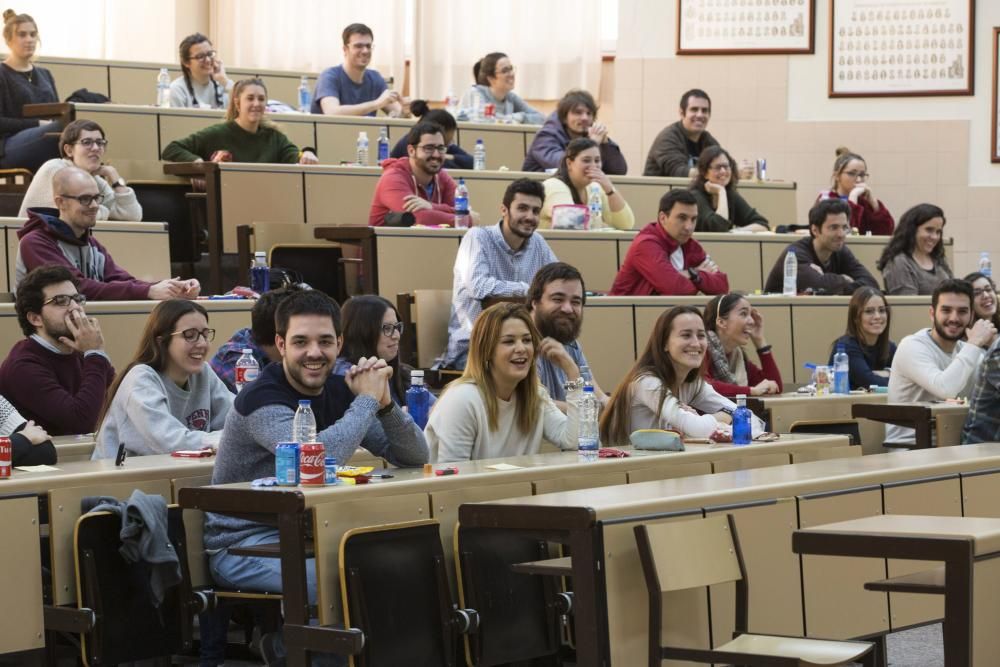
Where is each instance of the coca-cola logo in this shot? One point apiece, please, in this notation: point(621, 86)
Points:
point(312, 460)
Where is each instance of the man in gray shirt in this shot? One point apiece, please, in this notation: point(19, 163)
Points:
point(351, 410)
point(555, 299)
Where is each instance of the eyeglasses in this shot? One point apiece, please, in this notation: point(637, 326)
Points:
point(868, 312)
point(978, 292)
point(431, 149)
point(86, 200)
point(203, 56)
point(87, 143)
point(387, 329)
point(509, 69)
point(720, 167)
point(191, 335)
point(63, 300)
point(858, 174)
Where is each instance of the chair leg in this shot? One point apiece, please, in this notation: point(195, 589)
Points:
point(881, 652)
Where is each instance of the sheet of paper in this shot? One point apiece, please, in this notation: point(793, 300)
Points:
point(503, 466)
point(36, 468)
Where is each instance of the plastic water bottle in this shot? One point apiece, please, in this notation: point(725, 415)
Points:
point(476, 113)
point(304, 424)
point(163, 88)
point(305, 95)
point(260, 274)
point(841, 372)
point(451, 104)
point(247, 369)
point(383, 144)
point(588, 442)
point(588, 377)
point(479, 156)
point(742, 418)
point(418, 399)
point(461, 205)
point(594, 206)
point(363, 149)
point(985, 265)
point(791, 285)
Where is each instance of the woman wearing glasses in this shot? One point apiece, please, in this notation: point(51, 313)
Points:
point(984, 297)
point(869, 350)
point(246, 135)
point(850, 183)
point(84, 145)
point(720, 207)
point(167, 398)
point(372, 329)
point(494, 75)
point(203, 83)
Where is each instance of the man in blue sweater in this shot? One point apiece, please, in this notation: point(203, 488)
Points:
point(351, 410)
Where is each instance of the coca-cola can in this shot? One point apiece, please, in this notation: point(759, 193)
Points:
point(490, 112)
point(312, 464)
point(5, 458)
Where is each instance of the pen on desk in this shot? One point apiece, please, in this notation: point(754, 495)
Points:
point(384, 476)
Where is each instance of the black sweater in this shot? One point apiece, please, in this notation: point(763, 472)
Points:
point(18, 89)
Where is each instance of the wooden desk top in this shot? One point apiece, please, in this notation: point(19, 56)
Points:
point(529, 468)
point(767, 483)
point(985, 532)
point(82, 473)
point(797, 399)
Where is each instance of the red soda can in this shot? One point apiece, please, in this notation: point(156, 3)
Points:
point(490, 112)
point(5, 458)
point(312, 464)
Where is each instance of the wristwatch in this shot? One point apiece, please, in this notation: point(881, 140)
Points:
point(120, 183)
point(694, 275)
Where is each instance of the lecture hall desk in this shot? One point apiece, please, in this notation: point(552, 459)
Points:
point(969, 548)
point(330, 511)
point(768, 504)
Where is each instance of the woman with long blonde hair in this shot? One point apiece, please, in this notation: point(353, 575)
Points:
point(246, 135)
point(498, 407)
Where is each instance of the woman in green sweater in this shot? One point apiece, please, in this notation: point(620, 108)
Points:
point(246, 136)
point(720, 207)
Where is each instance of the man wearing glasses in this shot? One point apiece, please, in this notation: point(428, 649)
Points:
point(58, 375)
point(352, 89)
point(64, 236)
point(416, 188)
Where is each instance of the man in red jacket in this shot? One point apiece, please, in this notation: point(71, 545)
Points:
point(417, 184)
point(665, 259)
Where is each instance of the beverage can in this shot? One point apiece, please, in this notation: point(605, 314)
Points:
point(330, 465)
point(312, 464)
point(286, 463)
point(761, 169)
point(5, 458)
point(490, 112)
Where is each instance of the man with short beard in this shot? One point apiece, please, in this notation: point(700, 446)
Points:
point(59, 374)
point(556, 299)
point(935, 363)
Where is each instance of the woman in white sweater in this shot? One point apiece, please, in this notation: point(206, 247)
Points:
point(167, 398)
point(665, 388)
point(83, 144)
point(498, 408)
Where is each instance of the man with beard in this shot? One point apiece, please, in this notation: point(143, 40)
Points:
point(496, 261)
point(935, 364)
point(59, 374)
point(351, 410)
point(574, 117)
point(556, 299)
point(416, 184)
point(353, 89)
point(64, 235)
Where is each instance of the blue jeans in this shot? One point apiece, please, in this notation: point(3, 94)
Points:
point(252, 573)
point(30, 148)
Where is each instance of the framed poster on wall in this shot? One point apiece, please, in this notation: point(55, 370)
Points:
point(901, 48)
point(995, 113)
point(724, 27)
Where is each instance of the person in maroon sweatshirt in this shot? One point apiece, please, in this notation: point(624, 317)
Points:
point(59, 374)
point(64, 236)
point(665, 259)
point(417, 184)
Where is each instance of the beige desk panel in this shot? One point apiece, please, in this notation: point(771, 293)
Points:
point(775, 204)
point(486, 195)
point(64, 510)
point(300, 133)
point(948, 426)
point(74, 451)
point(751, 461)
point(572, 482)
point(503, 148)
point(597, 259)
point(21, 577)
point(668, 471)
point(332, 520)
point(765, 531)
point(239, 207)
point(937, 498)
point(136, 85)
point(981, 495)
point(74, 77)
point(607, 340)
point(194, 529)
point(847, 451)
point(337, 143)
point(644, 200)
point(131, 136)
point(340, 199)
point(173, 127)
point(402, 259)
point(986, 613)
point(739, 260)
point(833, 584)
point(790, 408)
